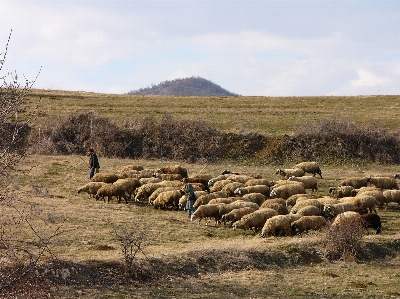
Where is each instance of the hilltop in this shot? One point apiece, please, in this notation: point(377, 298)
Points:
point(193, 86)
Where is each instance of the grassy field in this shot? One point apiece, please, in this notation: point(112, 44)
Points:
point(265, 115)
point(198, 261)
point(189, 260)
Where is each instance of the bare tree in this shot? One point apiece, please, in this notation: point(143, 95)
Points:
point(17, 258)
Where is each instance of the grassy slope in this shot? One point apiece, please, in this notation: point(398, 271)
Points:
point(266, 115)
point(204, 262)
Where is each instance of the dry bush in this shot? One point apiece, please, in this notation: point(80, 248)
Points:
point(342, 241)
point(339, 139)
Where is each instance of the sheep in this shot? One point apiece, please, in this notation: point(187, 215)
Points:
point(148, 172)
point(144, 191)
point(156, 192)
point(383, 182)
point(278, 222)
point(280, 208)
point(206, 211)
point(263, 189)
point(148, 180)
point(342, 191)
point(230, 188)
point(365, 200)
point(105, 177)
point(110, 190)
point(356, 182)
point(205, 199)
point(285, 191)
point(288, 172)
point(254, 221)
point(309, 182)
point(203, 176)
point(213, 180)
point(371, 220)
point(183, 199)
point(304, 203)
point(377, 193)
point(330, 211)
point(130, 174)
point(239, 178)
point(91, 188)
point(132, 167)
point(168, 198)
point(175, 169)
point(253, 182)
point(223, 200)
point(198, 180)
point(236, 214)
point(273, 200)
point(130, 185)
point(241, 204)
point(327, 200)
point(291, 201)
point(305, 223)
point(258, 198)
point(309, 211)
point(278, 183)
point(392, 196)
point(310, 167)
point(342, 218)
point(168, 176)
point(218, 185)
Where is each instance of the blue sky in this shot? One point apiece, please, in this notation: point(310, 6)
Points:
point(261, 48)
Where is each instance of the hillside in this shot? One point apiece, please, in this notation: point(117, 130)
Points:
point(193, 86)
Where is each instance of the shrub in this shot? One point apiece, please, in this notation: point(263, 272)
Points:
point(342, 241)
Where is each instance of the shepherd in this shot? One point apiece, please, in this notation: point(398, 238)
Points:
point(93, 163)
point(190, 196)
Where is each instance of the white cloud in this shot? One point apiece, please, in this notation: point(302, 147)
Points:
point(368, 79)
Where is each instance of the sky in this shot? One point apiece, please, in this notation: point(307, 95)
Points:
point(249, 47)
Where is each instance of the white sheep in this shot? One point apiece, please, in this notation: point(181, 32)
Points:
point(356, 182)
point(291, 201)
point(156, 192)
point(263, 189)
point(279, 183)
point(110, 190)
point(105, 177)
point(218, 185)
point(168, 176)
point(383, 182)
point(241, 204)
point(309, 211)
point(392, 196)
point(285, 191)
point(91, 188)
point(363, 200)
point(213, 180)
point(254, 221)
point(306, 223)
point(309, 182)
point(304, 203)
point(258, 198)
point(332, 210)
point(132, 167)
point(273, 200)
point(343, 218)
point(236, 214)
point(205, 212)
point(253, 182)
point(310, 167)
point(288, 172)
point(280, 208)
point(239, 178)
point(130, 185)
point(342, 191)
point(278, 222)
point(143, 192)
point(168, 199)
point(177, 169)
point(223, 200)
point(377, 193)
point(205, 199)
point(230, 188)
point(148, 180)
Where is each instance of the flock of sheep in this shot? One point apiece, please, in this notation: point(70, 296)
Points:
point(250, 202)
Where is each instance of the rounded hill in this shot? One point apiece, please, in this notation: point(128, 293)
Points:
point(193, 86)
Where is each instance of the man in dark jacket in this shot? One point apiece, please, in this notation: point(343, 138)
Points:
point(190, 196)
point(93, 163)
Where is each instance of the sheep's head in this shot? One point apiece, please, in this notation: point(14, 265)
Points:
point(237, 191)
point(193, 217)
point(226, 171)
point(331, 190)
point(210, 183)
point(272, 194)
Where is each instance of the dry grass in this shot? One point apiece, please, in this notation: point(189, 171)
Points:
point(264, 115)
point(201, 261)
